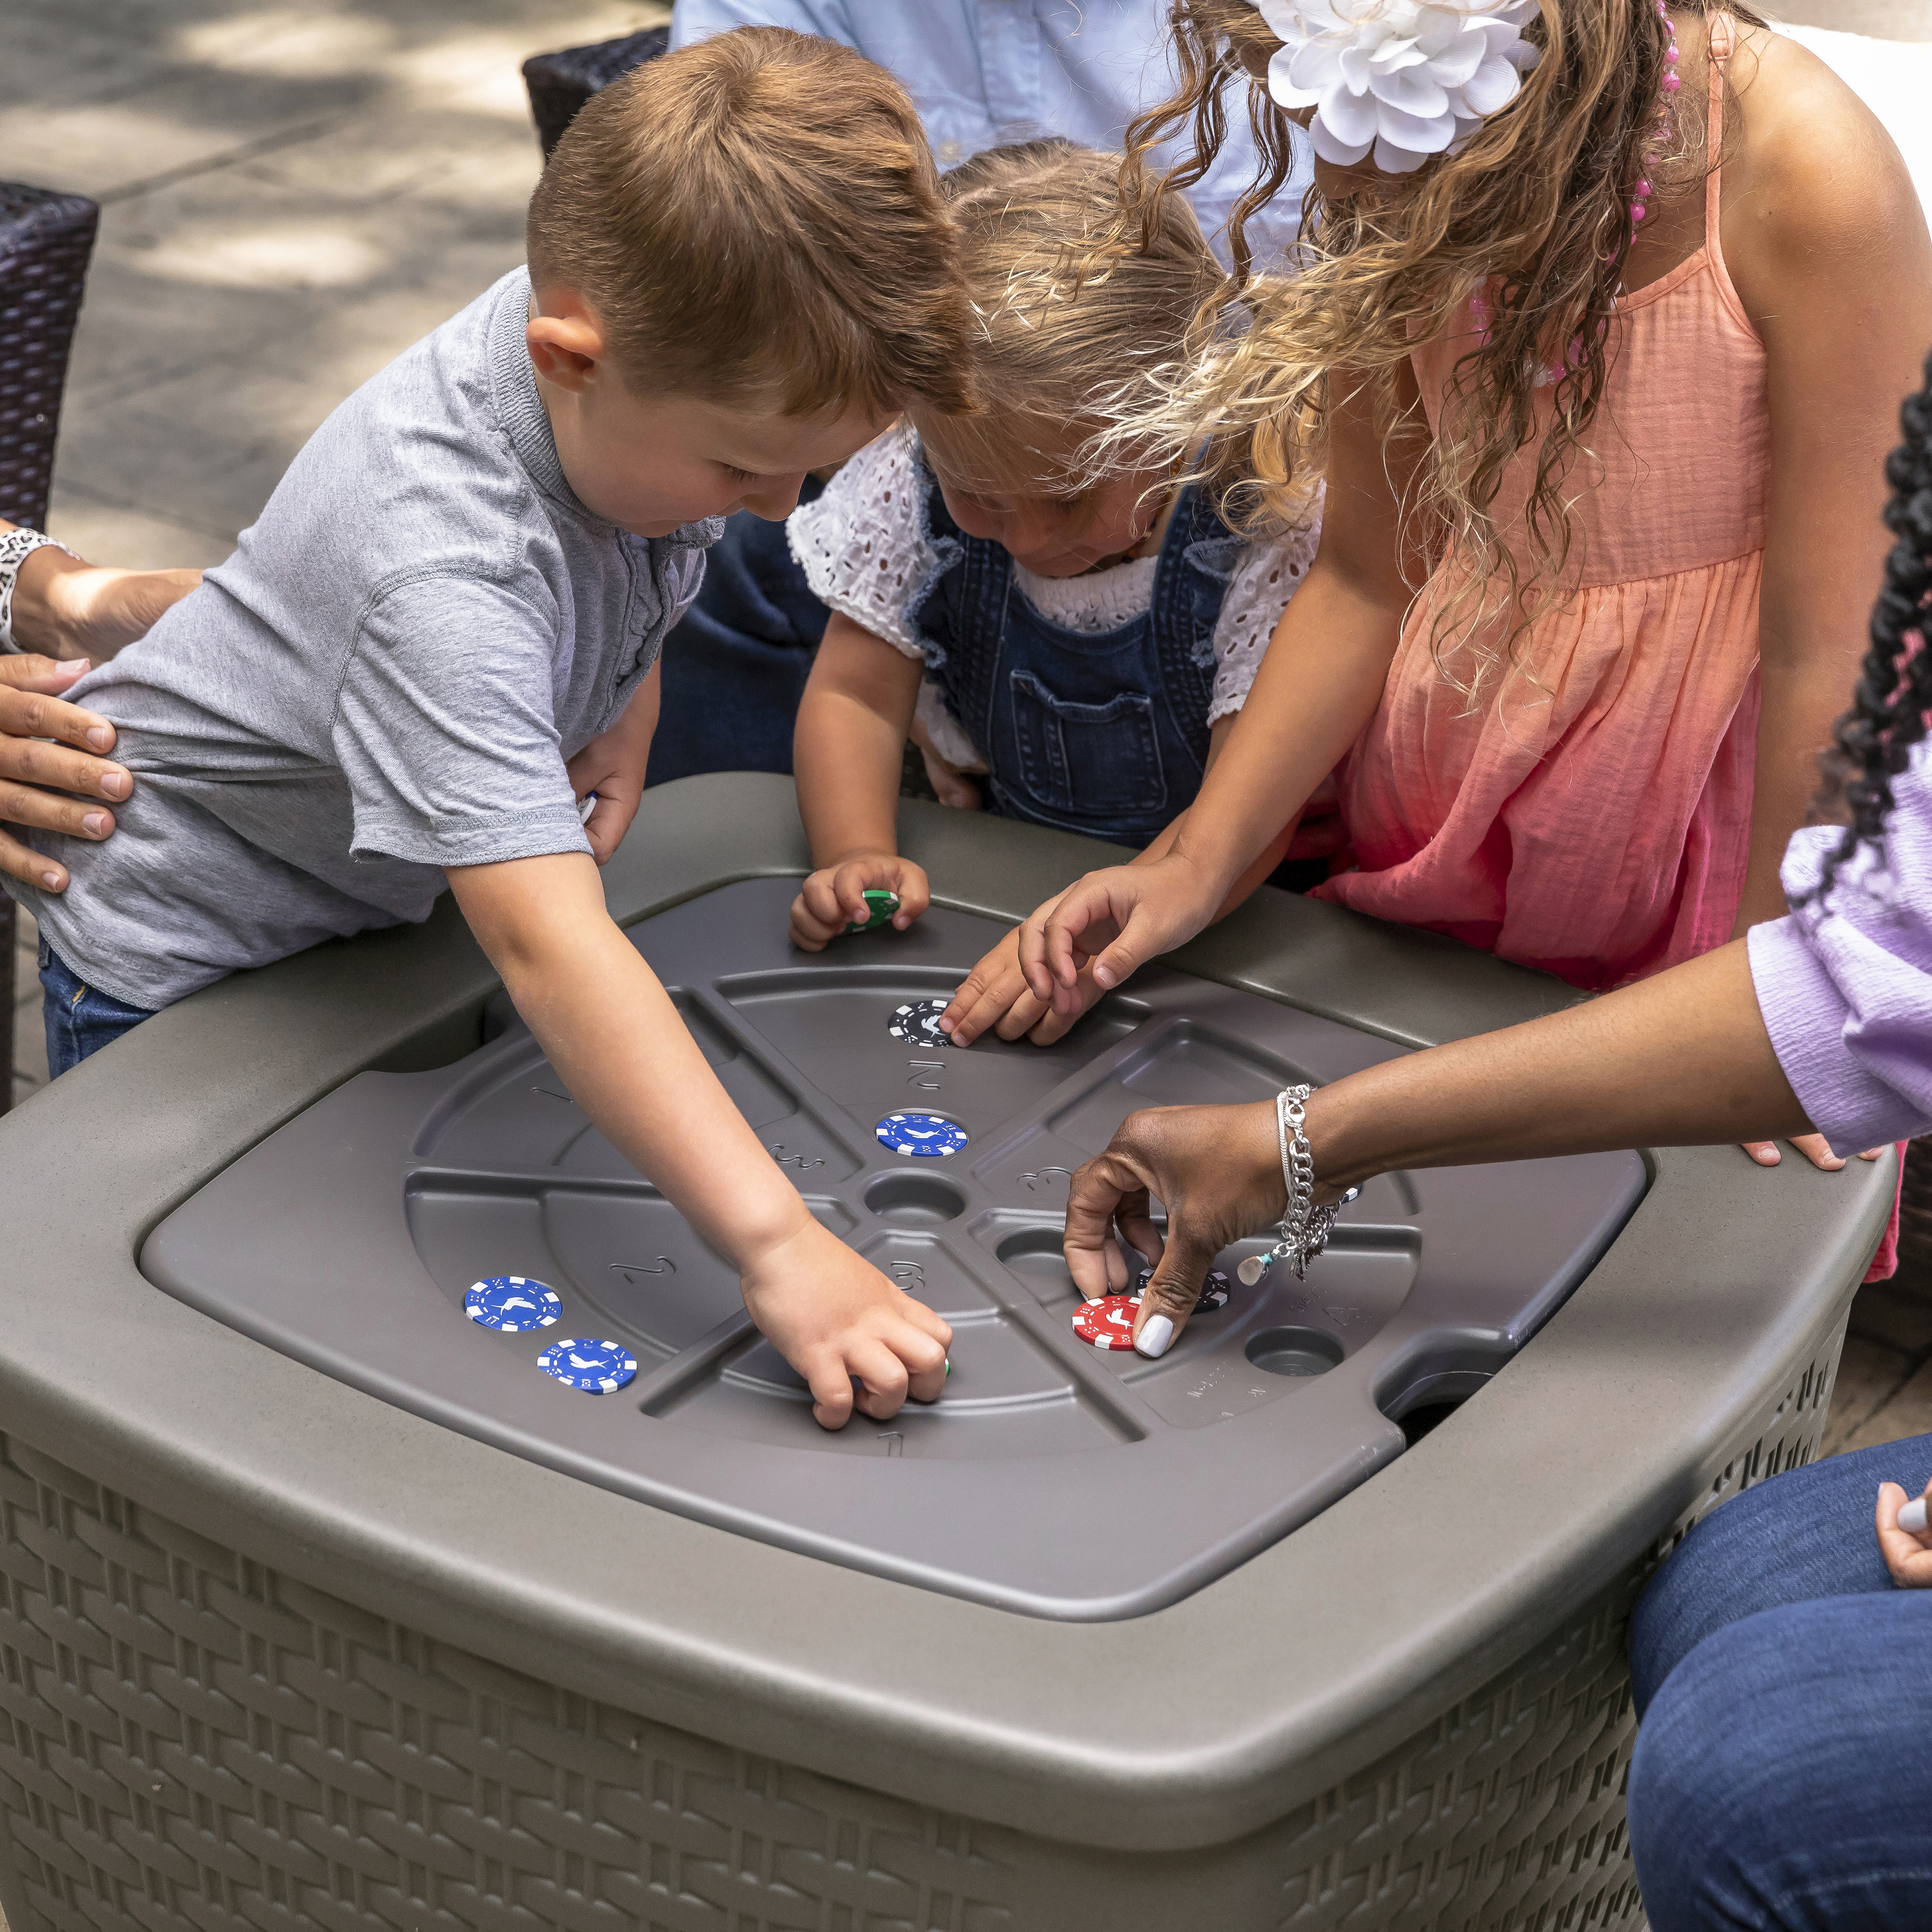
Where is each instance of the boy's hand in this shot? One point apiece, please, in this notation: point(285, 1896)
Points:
point(629, 1061)
point(1106, 925)
point(837, 1319)
point(834, 897)
point(995, 994)
point(612, 765)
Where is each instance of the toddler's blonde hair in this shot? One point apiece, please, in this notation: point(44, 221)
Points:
point(1068, 314)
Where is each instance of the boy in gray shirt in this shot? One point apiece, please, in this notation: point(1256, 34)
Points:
point(443, 631)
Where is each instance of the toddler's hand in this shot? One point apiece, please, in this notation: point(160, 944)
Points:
point(1109, 923)
point(950, 784)
point(836, 1319)
point(834, 897)
point(995, 994)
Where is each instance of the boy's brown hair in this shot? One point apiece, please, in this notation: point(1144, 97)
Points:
point(758, 215)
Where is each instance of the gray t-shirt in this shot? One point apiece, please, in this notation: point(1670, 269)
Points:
point(386, 679)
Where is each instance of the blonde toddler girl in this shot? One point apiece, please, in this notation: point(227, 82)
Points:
point(1081, 641)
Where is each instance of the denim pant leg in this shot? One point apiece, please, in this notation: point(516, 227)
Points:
point(1782, 1750)
point(1801, 1536)
point(735, 667)
point(80, 1019)
point(1783, 1777)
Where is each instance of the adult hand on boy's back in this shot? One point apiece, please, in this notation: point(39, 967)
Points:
point(820, 1305)
point(37, 779)
point(834, 896)
point(72, 609)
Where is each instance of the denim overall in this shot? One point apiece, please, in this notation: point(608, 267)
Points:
point(1105, 734)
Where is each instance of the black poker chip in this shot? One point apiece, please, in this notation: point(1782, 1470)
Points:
point(917, 1023)
point(1213, 1296)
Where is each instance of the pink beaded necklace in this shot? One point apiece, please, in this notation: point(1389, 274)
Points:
point(1640, 208)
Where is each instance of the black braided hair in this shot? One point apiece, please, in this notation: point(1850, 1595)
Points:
point(1873, 740)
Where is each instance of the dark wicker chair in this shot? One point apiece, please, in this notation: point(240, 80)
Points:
point(45, 241)
point(560, 83)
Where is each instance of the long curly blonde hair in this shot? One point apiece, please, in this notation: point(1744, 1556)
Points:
point(1531, 221)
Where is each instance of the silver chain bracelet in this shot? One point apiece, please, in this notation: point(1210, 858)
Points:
point(1305, 1228)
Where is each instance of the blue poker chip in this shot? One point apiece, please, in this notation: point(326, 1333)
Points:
point(924, 1136)
point(511, 1302)
point(596, 1367)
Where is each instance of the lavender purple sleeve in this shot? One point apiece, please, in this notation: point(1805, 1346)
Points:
point(1846, 988)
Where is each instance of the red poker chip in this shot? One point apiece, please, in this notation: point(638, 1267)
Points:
point(1108, 1323)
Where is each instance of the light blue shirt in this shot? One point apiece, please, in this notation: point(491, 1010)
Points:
point(983, 73)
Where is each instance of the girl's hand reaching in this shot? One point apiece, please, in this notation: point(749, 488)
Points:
point(1104, 926)
point(995, 996)
point(834, 897)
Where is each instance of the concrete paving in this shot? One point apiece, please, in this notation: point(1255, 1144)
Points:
point(293, 194)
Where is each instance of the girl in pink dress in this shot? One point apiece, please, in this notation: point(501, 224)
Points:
point(1598, 337)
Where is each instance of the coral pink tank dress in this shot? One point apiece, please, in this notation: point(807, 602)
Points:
point(1593, 818)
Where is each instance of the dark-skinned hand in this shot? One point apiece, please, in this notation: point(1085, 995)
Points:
point(1217, 1170)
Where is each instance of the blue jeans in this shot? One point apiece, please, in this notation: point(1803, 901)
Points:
point(80, 1019)
point(1783, 1777)
point(735, 668)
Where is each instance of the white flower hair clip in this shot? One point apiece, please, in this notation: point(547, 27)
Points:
point(1407, 78)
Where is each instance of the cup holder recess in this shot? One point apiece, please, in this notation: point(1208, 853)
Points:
point(1294, 1352)
point(916, 1200)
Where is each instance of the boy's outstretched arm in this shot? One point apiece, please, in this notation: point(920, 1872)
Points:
point(613, 1034)
point(848, 749)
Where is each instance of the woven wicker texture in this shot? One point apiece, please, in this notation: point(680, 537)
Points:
point(46, 240)
point(560, 83)
point(188, 1739)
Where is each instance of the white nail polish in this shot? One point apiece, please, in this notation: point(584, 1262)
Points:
point(1155, 1336)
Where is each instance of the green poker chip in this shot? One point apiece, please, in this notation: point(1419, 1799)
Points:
point(881, 904)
